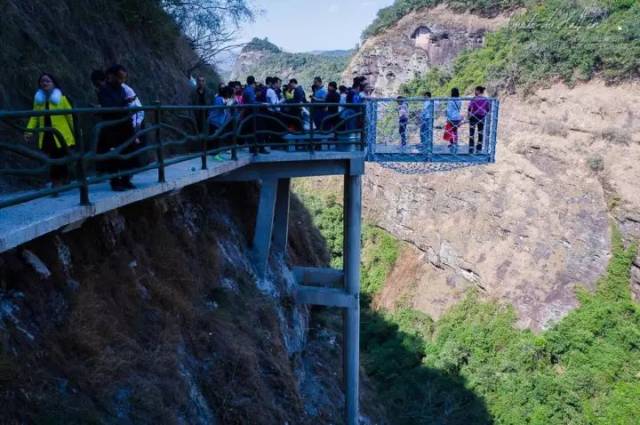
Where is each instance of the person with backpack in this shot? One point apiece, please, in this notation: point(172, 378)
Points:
point(55, 133)
point(479, 108)
point(113, 136)
point(219, 120)
point(454, 119)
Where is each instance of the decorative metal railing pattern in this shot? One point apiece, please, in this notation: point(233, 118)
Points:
point(171, 135)
point(404, 134)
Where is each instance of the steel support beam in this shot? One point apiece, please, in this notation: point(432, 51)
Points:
point(314, 276)
point(264, 226)
point(328, 297)
point(292, 169)
point(281, 218)
point(352, 229)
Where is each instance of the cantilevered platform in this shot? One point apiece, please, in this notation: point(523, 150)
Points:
point(27, 221)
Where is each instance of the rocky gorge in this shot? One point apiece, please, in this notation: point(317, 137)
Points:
point(528, 229)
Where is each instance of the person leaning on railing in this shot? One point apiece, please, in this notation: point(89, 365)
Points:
point(54, 132)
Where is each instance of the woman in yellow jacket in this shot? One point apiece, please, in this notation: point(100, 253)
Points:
point(55, 144)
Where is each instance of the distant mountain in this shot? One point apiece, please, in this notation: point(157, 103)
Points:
point(261, 58)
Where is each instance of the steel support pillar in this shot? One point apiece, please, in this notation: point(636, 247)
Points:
point(264, 226)
point(351, 256)
point(281, 218)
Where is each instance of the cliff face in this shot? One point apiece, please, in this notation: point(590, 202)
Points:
point(530, 228)
point(527, 229)
point(416, 43)
point(153, 314)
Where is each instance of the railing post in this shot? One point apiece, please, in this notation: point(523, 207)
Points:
point(254, 120)
point(234, 149)
point(311, 125)
point(203, 143)
point(157, 120)
point(432, 131)
point(81, 170)
point(495, 111)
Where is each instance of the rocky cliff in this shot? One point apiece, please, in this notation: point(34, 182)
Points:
point(153, 314)
point(416, 43)
point(528, 229)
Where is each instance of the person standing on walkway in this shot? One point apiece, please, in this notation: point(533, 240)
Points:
point(200, 96)
point(426, 122)
point(479, 108)
point(319, 96)
point(454, 119)
point(333, 97)
point(219, 120)
point(403, 120)
point(54, 132)
point(114, 136)
point(249, 93)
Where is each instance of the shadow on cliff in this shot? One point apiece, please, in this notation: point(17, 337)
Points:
point(412, 392)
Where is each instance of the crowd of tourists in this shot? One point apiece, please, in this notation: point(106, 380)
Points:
point(279, 108)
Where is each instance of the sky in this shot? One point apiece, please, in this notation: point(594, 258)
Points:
point(306, 25)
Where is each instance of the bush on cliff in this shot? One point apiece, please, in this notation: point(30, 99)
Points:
point(554, 40)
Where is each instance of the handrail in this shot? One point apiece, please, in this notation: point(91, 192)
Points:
point(170, 137)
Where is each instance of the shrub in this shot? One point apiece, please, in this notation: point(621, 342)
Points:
point(615, 135)
point(555, 128)
point(596, 163)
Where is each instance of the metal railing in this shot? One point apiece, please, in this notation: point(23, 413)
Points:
point(420, 129)
point(172, 134)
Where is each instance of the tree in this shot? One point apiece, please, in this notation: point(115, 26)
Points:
point(210, 25)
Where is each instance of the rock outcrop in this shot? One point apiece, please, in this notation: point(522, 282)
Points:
point(531, 227)
point(153, 314)
point(416, 43)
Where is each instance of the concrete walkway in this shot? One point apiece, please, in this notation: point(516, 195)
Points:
point(22, 223)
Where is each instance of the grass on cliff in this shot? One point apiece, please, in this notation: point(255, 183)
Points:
point(569, 41)
point(474, 367)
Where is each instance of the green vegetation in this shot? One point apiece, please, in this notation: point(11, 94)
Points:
point(474, 367)
point(302, 66)
point(555, 39)
point(392, 14)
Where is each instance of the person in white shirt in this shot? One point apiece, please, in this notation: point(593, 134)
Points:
point(272, 95)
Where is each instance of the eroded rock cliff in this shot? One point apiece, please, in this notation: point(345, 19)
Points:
point(531, 227)
point(416, 43)
point(153, 314)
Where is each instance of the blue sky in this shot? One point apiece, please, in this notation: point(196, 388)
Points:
point(304, 25)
